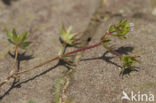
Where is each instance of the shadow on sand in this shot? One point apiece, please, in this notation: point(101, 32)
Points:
point(123, 51)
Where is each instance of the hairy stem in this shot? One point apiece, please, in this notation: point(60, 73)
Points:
point(44, 63)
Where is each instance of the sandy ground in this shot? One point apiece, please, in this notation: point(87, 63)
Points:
point(96, 79)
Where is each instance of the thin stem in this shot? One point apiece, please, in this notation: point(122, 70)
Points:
point(16, 55)
point(27, 70)
point(15, 61)
point(110, 49)
point(62, 49)
point(113, 51)
point(57, 57)
point(83, 49)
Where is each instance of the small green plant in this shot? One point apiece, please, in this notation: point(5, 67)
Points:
point(119, 30)
point(66, 36)
point(19, 41)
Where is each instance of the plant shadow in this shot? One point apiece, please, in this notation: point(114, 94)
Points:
point(8, 2)
point(124, 50)
point(19, 84)
point(21, 57)
point(128, 71)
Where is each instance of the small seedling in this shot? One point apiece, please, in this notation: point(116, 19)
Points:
point(120, 30)
point(19, 41)
point(66, 36)
point(68, 39)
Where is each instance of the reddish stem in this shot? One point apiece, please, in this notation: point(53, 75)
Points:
point(57, 57)
point(114, 52)
point(83, 49)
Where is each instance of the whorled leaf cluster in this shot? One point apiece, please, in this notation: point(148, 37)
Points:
point(18, 40)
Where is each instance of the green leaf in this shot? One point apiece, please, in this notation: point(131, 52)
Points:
point(15, 39)
point(14, 32)
point(105, 41)
point(9, 34)
point(69, 30)
point(11, 41)
point(62, 30)
point(111, 28)
point(15, 36)
point(18, 40)
point(121, 29)
point(66, 35)
point(128, 61)
point(22, 37)
point(12, 37)
point(24, 45)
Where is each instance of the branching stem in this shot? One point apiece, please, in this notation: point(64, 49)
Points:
point(56, 58)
